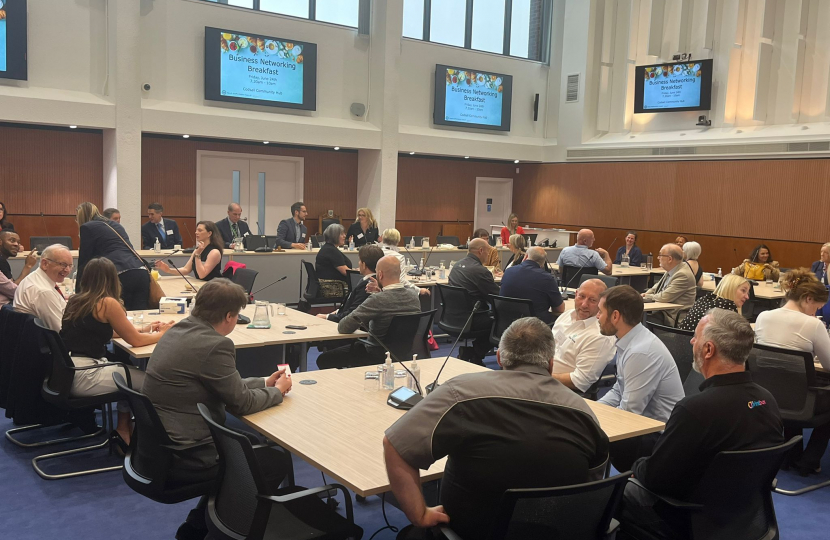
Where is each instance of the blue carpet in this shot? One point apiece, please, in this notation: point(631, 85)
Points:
point(102, 507)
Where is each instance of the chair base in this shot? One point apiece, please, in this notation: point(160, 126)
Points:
point(806, 489)
point(21, 429)
point(43, 474)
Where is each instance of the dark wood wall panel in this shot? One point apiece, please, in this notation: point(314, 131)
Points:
point(168, 175)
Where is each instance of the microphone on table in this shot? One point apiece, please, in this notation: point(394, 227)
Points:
point(190, 250)
point(171, 263)
point(431, 387)
point(573, 277)
point(612, 245)
point(274, 283)
point(169, 254)
point(258, 228)
point(418, 271)
point(396, 359)
point(737, 259)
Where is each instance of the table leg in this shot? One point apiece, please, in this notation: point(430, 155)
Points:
point(303, 356)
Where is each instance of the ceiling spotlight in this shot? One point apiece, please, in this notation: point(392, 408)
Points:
point(466, 157)
point(73, 127)
point(266, 142)
point(412, 153)
point(185, 136)
point(515, 161)
point(337, 148)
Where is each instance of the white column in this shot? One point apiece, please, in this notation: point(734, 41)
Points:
point(122, 145)
point(377, 181)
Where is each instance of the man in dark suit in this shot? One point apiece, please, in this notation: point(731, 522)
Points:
point(529, 280)
point(166, 230)
point(196, 363)
point(232, 226)
point(291, 233)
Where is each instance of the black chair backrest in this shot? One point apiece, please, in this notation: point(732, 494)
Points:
point(245, 277)
point(418, 240)
point(39, 243)
point(505, 311)
point(452, 240)
point(312, 286)
point(679, 345)
point(736, 494)
point(787, 374)
point(317, 240)
point(271, 240)
point(254, 241)
point(457, 305)
point(58, 382)
point(330, 221)
point(403, 333)
point(610, 281)
point(147, 455)
point(420, 345)
point(239, 480)
point(572, 274)
point(530, 239)
point(354, 277)
point(582, 511)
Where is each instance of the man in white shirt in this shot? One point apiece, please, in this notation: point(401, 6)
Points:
point(582, 352)
point(40, 293)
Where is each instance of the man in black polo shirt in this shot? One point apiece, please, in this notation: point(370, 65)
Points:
point(730, 413)
point(515, 428)
point(470, 274)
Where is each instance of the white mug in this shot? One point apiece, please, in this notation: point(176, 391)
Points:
point(177, 247)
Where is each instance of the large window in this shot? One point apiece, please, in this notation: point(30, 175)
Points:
point(342, 12)
point(513, 27)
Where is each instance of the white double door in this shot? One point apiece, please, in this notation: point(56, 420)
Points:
point(265, 187)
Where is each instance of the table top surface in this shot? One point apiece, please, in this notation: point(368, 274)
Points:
point(243, 337)
point(338, 427)
point(617, 270)
point(762, 290)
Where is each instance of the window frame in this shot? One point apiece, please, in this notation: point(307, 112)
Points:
point(547, 13)
point(312, 12)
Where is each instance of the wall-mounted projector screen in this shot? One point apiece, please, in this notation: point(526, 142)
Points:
point(241, 67)
point(13, 40)
point(681, 86)
point(469, 98)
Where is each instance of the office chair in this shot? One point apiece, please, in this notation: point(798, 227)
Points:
point(452, 240)
point(407, 335)
point(457, 304)
point(572, 274)
point(678, 343)
point(505, 311)
point(245, 277)
point(311, 296)
point(610, 281)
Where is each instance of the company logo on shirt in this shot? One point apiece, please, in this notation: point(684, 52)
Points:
point(753, 404)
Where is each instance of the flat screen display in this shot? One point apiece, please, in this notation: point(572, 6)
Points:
point(681, 86)
point(241, 67)
point(13, 39)
point(471, 98)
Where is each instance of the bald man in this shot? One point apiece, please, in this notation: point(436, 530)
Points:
point(41, 292)
point(581, 255)
point(529, 281)
point(232, 226)
point(375, 313)
point(470, 274)
point(677, 286)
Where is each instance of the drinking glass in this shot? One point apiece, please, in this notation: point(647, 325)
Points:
point(280, 309)
point(370, 381)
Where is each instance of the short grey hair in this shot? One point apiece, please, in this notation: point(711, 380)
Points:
point(50, 251)
point(232, 205)
point(691, 250)
point(528, 341)
point(537, 255)
point(731, 333)
point(391, 237)
point(332, 233)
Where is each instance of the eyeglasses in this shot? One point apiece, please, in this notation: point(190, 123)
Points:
point(63, 266)
point(661, 255)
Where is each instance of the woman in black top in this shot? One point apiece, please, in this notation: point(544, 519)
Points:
point(101, 237)
point(90, 321)
point(731, 293)
point(4, 223)
point(332, 263)
point(365, 229)
point(206, 261)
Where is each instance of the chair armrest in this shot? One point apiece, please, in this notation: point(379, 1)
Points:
point(819, 389)
point(613, 527)
point(282, 499)
point(676, 503)
point(184, 447)
point(448, 533)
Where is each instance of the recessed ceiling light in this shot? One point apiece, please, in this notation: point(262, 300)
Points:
point(412, 153)
point(73, 127)
point(337, 148)
point(266, 142)
point(185, 136)
point(515, 161)
point(466, 157)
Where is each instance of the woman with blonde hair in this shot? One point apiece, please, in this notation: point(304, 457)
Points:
point(511, 229)
point(517, 246)
point(206, 260)
point(794, 326)
point(731, 293)
point(91, 320)
point(101, 237)
point(364, 230)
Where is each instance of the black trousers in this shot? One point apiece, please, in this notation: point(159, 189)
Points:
point(352, 355)
point(643, 510)
point(625, 452)
point(481, 345)
point(135, 289)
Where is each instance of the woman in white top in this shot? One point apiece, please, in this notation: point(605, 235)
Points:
point(795, 326)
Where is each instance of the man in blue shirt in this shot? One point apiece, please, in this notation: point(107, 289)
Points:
point(581, 255)
point(529, 281)
point(648, 382)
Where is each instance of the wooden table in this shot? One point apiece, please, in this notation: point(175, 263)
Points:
point(762, 290)
point(338, 427)
point(619, 271)
point(243, 337)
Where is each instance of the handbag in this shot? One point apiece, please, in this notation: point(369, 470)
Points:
point(156, 293)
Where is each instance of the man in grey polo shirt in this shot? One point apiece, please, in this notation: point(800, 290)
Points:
point(581, 255)
point(515, 428)
point(648, 382)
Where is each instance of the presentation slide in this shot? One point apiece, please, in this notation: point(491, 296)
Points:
point(672, 87)
point(473, 98)
point(2, 35)
point(259, 68)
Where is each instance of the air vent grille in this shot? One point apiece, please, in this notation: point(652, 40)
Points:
point(572, 89)
point(724, 150)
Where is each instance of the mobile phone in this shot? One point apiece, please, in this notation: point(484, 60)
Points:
point(296, 327)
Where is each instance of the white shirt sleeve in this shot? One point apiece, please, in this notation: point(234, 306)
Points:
point(821, 344)
point(50, 308)
point(594, 355)
point(613, 397)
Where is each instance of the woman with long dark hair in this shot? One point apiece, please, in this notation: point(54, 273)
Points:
point(4, 222)
point(760, 265)
point(206, 261)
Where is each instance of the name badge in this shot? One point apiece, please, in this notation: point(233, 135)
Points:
point(360, 235)
point(170, 231)
point(246, 234)
point(302, 236)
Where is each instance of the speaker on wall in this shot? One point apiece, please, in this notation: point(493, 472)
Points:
point(536, 108)
point(358, 109)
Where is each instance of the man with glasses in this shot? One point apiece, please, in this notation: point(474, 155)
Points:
point(40, 293)
point(232, 227)
point(677, 286)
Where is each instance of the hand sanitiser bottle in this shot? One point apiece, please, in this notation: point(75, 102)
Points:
point(413, 380)
point(388, 374)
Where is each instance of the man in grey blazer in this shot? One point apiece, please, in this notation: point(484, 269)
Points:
point(291, 233)
point(677, 286)
point(195, 364)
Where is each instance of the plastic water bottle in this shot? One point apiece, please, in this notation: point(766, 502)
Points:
point(412, 242)
point(649, 262)
point(442, 272)
point(468, 241)
point(308, 246)
point(624, 260)
point(413, 380)
point(498, 241)
point(388, 374)
point(157, 246)
point(720, 272)
point(351, 244)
